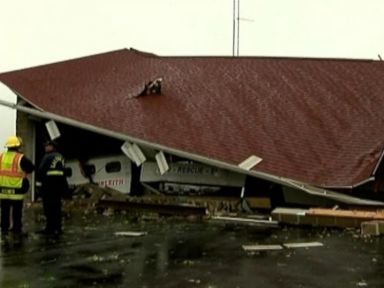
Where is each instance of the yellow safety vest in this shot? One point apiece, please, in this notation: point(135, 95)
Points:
point(11, 175)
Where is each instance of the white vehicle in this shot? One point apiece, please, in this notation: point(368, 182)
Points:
point(110, 171)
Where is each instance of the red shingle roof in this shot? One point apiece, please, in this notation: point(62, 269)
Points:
point(315, 120)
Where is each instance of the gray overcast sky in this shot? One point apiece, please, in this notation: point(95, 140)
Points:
point(35, 32)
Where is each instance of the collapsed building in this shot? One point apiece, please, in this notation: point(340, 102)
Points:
point(292, 130)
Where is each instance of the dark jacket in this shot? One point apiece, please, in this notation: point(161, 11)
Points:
point(28, 168)
point(51, 174)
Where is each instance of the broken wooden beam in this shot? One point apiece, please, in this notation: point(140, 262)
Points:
point(325, 217)
point(350, 213)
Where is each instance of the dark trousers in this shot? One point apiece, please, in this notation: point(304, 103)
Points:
point(17, 213)
point(52, 212)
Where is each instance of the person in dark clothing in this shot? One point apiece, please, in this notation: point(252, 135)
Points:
point(51, 175)
point(14, 167)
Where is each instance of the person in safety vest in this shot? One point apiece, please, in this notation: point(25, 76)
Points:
point(14, 167)
point(51, 175)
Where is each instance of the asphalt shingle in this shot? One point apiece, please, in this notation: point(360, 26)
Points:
point(315, 120)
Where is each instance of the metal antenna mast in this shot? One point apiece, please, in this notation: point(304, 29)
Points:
point(233, 27)
point(236, 28)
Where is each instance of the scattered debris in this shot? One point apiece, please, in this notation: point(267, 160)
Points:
point(362, 284)
point(188, 262)
point(195, 281)
point(86, 196)
point(166, 209)
point(89, 198)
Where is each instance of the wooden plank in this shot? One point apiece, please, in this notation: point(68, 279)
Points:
point(130, 233)
point(262, 247)
point(362, 214)
point(239, 220)
point(326, 217)
point(291, 211)
point(302, 245)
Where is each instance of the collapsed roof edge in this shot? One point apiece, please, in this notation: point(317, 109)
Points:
point(312, 190)
point(358, 184)
point(305, 187)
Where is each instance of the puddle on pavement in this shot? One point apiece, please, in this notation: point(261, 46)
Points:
point(182, 254)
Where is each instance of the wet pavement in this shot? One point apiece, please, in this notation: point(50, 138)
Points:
point(182, 253)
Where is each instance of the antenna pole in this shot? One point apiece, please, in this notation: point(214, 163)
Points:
point(233, 27)
point(238, 26)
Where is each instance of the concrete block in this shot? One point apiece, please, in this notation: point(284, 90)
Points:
point(289, 216)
